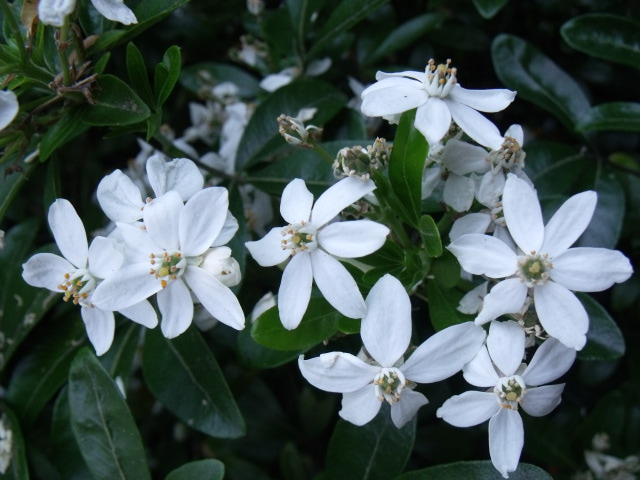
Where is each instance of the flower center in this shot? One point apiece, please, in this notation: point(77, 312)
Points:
point(534, 269)
point(389, 384)
point(510, 391)
point(509, 155)
point(440, 78)
point(299, 237)
point(167, 266)
point(78, 286)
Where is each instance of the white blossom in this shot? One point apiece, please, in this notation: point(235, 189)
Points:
point(53, 12)
point(9, 108)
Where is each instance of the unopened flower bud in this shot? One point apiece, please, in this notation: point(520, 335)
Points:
point(359, 161)
point(219, 262)
point(295, 132)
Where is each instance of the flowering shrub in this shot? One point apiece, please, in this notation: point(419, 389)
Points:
point(284, 236)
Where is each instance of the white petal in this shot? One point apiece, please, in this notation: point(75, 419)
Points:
point(568, 223)
point(507, 296)
point(53, 12)
point(361, 406)
point(180, 174)
point(506, 439)
point(131, 285)
point(104, 257)
point(484, 255)
point(296, 202)
point(470, 223)
point(215, 297)
point(338, 372)
point(472, 301)
point(100, 327)
point(338, 197)
point(462, 158)
point(268, 250)
point(46, 270)
point(444, 353)
point(561, 314)
point(229, 229)
point(522, 214)
point(352, 239)
point(142, 313)
point(176, 307)
point(295, 290)
point(458, 192)
point(468, 409)
point(386, 328)
point(490, 189)
point(392, 95)
point(491, 100)
point(119, 198)
point(69, 232)
point(433, 120)
point(337, 285)
point(407, 408)
point(588, 269)
point(505, 344)
point(202, 219)
point(161, 218)
point(474, 124)
point(515, 131)
point(540, 401)
point(551, 360)
point(480, 371)
point(115, 10)
point(9, 108)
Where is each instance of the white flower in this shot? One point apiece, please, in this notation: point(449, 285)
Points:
point(6, 444)
point(53, 12)
point(386, 333)
point(8, 108)
point(438, 98)
point(179, 249)
point(511, 385)
point(79, 271)
point(544, 265)
point(312, 243)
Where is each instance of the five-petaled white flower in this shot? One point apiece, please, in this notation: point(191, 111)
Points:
point(178, 250)
point(438, 98)
point(511, 384)
point(53, 12)
point(544, 265)
point(312, 243)
point(79, 271)
point(384, 376)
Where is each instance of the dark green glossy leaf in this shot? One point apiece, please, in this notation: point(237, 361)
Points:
point(258, 356)
point(319, 323)
point(489, 8)
point(406, 165)
point(17, 469)
point(377, 450)
point(68, 127)
point(208, 469)
point(602, 35)
point(167, 74)
point(477, 470)
point(102, 423)
point(604, 339)
point(184, 376)
point(522, 67)
point(119, 359)
point(443, 303)
point(445, 270)
point(116, 104)
point(622, 116)
point(204, 76)
point(137, 71)
point(554, 167)
point(430, 236)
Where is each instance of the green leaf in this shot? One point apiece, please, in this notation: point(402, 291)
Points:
point(602, 35)
point(377, 450)
point(476, 470)
point(254, 355)
point(445, 270)
point(554, 167)
point(489, 8)
point(622, 116)
point(261, 133)
point(319, 323)
point(208, 469)
point(119, 359)
point(443, 303)
point(69, 126)
point(17, 468)
point(406, 165)
point(167, 74)
point(102, 423)
point(184, 376)
point(204, 76)
point(137, 71)
point(430, 236)
point(522, 67)
point(604, 338)
point(116, 104)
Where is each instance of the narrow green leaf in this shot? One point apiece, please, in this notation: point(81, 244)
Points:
point(443, 303)
point(377, 450)
point(102, 423)
point(476, 470)
point(489, 8)
point(430, 236)
point(622, 116)
point(137, 71)
point(406, 165)
point(604, 338)
point(167, 74)
point(319, 323)
point(119, 359)
point(184, 376)
point(209, 469)
point(116, 104)
point(17, 468)
point(602, 35)
point(68, 127)
point(522, 67)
